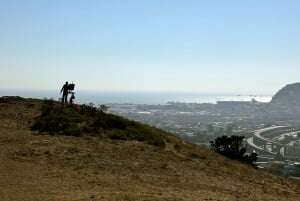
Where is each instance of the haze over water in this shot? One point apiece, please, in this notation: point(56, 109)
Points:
point(139, 97)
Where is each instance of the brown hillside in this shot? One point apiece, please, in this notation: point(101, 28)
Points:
point(42, 167)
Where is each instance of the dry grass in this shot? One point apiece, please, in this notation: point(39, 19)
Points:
point(63, 168)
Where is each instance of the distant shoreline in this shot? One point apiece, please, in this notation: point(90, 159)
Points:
point(148, 98)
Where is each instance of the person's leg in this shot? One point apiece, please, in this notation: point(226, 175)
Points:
point(66, 98)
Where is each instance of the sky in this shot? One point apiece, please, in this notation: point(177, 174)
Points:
point(216, 46)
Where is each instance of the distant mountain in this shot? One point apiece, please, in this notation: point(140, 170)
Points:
point(288, 96)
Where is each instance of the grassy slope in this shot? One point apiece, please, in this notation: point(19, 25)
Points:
point(44, 167)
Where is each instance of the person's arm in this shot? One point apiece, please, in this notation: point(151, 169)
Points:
point(62, 89)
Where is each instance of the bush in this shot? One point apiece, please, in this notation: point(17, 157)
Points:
point(232, 147)
point(56, 118)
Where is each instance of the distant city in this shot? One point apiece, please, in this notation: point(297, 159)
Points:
point(271, 128)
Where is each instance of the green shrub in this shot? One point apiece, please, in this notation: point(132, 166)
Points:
point(57, 119)
point(60, 119)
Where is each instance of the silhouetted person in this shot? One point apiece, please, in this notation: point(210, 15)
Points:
point(72, 98)
point(65, 91)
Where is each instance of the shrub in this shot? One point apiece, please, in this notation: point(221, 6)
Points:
point(232, 147)
point(56, 118)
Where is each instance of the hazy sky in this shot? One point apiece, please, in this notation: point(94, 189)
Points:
point(249, 46)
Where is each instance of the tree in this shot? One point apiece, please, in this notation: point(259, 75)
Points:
point(103, 108)
point(232, 147)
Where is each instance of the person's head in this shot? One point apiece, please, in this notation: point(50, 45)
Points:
point(67, 82)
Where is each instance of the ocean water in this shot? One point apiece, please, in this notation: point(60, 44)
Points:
point(138, 97)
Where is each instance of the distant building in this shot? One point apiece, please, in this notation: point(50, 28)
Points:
point(294, 150)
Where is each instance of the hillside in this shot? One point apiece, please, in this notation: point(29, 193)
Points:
point(96, 166)
point(285, 104)
point(288, 98)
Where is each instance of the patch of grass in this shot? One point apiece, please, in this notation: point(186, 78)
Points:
point(61, 119)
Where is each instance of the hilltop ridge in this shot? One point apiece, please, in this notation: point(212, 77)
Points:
point(49, 166)
point(288, 95)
